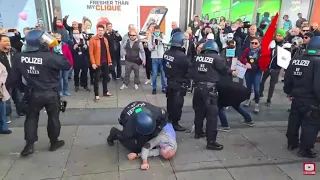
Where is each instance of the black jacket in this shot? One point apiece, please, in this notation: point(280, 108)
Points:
point(231, 93)
point(5, 61)
point(191, 51)
point(41, 69)
point(302, 78)
point(80, 55)
point(114, 44)
point(128, 119)
point(274, 56)
point(16, 42)
point(210, 63)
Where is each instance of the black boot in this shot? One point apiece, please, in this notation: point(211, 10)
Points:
point(199, 135)
point(110, 139)
point(308, 153)
point(177, 127)
point(87, 89)
point(56, 145)
point(292, 147)
point(214, 146)
point(27, 150)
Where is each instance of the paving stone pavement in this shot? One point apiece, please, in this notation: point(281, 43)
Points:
point(249, 154)
point(121, 98)
point(257, 153)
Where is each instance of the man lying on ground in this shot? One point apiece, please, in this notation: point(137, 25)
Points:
point(164, 144)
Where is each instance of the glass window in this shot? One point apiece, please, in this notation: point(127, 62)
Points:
point(242, 8)
point(216, 8)
point(289, 13)
point(266, 10)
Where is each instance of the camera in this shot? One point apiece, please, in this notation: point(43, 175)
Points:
point(63, 105)
point(246, 24)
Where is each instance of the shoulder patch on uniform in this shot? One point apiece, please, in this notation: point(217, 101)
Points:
point(147, 145)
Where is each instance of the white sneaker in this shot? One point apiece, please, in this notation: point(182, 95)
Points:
point(147, 82)
point(225, 129)
point(136, 86)
point(123, 87)
point(8, 122)
point(247, 103)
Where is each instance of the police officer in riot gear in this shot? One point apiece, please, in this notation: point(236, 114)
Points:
point(302, 83)
point(205, 71)
point(141, 122)
point(41, 69)
point(176, 66)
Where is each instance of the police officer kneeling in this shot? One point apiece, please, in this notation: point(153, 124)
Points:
point(41, 70)
point(205, 71)
point(302, 83)
point(176, 67)
point(141, 122)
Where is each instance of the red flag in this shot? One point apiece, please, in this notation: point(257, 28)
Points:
point(266, 40)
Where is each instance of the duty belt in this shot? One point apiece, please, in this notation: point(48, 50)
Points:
point(208, 84)
point(315, 108)
point(177, 82)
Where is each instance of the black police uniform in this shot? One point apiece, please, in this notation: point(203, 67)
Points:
point(176, 66)
point(302, 83)
point(206, 71)
point(41, 70)
point(129, 137)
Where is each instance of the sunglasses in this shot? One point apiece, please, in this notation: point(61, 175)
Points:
point(305, 30)
point(254, 43)
point(306, 37)
point(132, 35)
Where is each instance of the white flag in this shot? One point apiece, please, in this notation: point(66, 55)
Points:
point(283, 57)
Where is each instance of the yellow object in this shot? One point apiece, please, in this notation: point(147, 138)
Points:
point(251, 60)
point(54, 43)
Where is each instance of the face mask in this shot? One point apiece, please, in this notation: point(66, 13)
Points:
point(76, 36)
point(59, 41)
point(312, 29)
point(157, 34)
point(233, 29)
point(196, 23)
point(60, 26)
point(263, 26)
point(10, 34)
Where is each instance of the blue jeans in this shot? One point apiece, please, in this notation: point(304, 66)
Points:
point(3, 118)
point(239, 109)
point(70, 73)
point(156, 63)
point(254, 79)
point(63, 81)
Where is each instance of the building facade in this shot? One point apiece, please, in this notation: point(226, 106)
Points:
point(256, 11)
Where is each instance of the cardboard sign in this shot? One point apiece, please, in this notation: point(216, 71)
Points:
point(241, 69)
point(283, 57)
